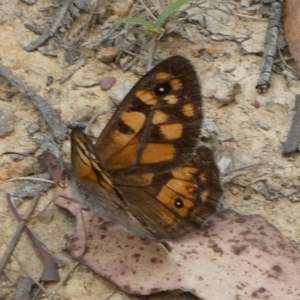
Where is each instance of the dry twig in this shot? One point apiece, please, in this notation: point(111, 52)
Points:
point(49, 114)
point(271, 47)
point(293, 140)
point(18, 233)
point(50, 272)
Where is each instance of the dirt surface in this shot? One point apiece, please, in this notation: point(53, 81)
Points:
point(257, 124)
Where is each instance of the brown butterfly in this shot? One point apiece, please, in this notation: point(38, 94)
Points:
point(146, 170)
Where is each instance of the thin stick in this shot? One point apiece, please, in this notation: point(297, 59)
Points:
point(109, 296)
point(12, 245)
point(50, 272)
point(43, 38)
point(271, 47)
point(148, 10)
point(283, 60)
point(49, 114)
point(28, 179)
point(293, 140)
point(60, 17)
point(80, 63)
point(245, 167)
point(62, 282)
point(152, 48)
point(25, 271)
point(91, 121)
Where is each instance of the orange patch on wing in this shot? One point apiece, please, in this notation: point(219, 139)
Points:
point(163, 76)
point(169, 197)
point(160, 117)
point(83, 164)
point(119, 139)
point(146, 178)
point(204, 195)
point(106, 185)
point(188, 110)
point(134, 119)
point(176, 84)
point(124, 159)
point(166, 216)
point(184, 173)
point(171, 99)
point(85, 170)
point(86, 167)
point(182, 187)
point(147, 97)
point(202, 177)
point(104, 176)
point(171, 131)
point(156, 152)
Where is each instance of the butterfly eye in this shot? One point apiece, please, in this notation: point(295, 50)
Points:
point(162, 89)
point(178, 203)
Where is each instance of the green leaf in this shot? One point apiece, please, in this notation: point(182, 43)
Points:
point(135, 21)
point(169, 11)
point(154, 29)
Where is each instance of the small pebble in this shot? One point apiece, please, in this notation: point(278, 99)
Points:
point(18, 12)
point(6, 122)
point(50, 80)
point(107, 82)
point(33, 128)
point(119, 92)
point(108, 54)
point(83, 114)
point(29, 2)
point(121, 8)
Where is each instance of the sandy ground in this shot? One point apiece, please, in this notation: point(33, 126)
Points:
point(257, 131)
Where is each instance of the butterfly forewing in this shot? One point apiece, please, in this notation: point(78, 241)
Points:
point(157, 125)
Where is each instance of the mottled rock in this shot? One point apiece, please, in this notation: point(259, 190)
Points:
point(33, 128)
point(6, 122)
point(108, 54)
point(118, 93)
point(83, 114)
point(121, 8)
point(220, 86)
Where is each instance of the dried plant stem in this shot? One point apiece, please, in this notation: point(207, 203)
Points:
point(49, 114)
point(11, 247)
point(62, 282)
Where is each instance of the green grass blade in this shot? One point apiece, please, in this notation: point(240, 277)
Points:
point(155, 30)
point(135, 21)
point(169, 11)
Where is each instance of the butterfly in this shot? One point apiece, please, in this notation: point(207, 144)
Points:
point(146, 170)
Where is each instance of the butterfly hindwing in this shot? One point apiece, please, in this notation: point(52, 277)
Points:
point(176, 201)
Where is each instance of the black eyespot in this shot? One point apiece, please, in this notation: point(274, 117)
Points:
point(162, 89)
point(178, 203)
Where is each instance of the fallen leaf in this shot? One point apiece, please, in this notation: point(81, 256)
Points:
point(292, 27)
point(232, 257)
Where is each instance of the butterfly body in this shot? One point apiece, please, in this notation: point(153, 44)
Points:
point(146, 170)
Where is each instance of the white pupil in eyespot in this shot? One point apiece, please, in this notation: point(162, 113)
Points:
point(178, 203)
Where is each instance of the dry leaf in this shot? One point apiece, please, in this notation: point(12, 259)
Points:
point(233, 257)
point(292, 27)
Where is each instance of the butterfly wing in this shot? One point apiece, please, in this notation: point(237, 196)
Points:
point(146, 159)
point(158, 123)
point(176, 201)
point(95, 187)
